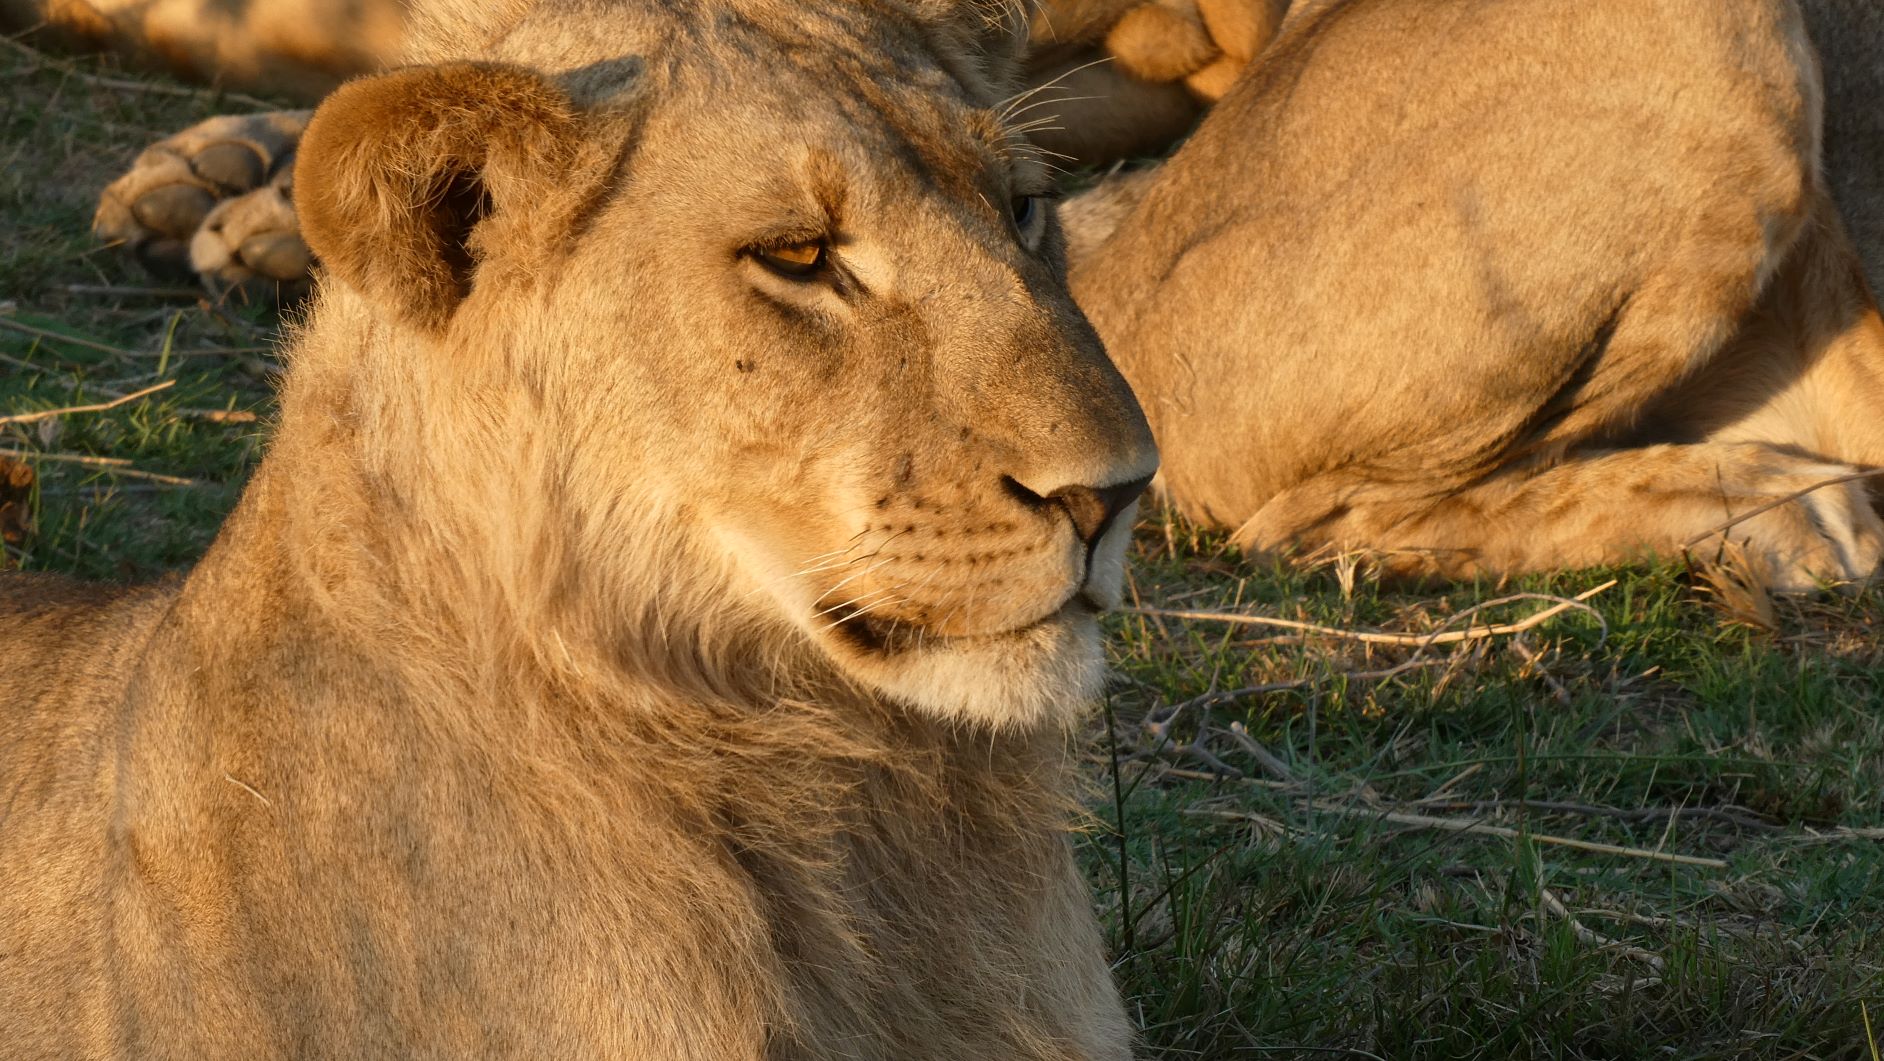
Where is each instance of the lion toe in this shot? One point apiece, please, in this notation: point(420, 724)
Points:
point(158, 209)
point(249, 247)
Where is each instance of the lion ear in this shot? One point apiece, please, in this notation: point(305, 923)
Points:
point(396, 171)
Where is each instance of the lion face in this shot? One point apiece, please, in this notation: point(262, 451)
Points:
point(815, 326)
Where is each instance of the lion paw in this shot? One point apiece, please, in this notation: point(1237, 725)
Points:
point(1203, 43)
point(1829, 533)
point(213, 200)
point(250, 246)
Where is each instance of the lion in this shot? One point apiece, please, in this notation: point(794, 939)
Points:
point(1106, 80)
point(1561, 283)
point(660, 624)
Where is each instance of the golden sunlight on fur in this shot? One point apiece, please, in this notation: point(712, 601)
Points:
point(629, 647)
point(209, 200)
point(1491, 287)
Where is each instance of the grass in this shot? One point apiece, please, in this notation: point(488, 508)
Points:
point(1323, 905)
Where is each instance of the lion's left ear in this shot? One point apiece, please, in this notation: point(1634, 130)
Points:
point(396, 171)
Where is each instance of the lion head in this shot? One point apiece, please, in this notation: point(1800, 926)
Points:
point(704, 368)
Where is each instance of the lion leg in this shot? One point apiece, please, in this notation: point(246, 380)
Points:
point(161, 207)
point(1668, 330)
point(1598, 507)
point(1807, 370)
point(1204, 44)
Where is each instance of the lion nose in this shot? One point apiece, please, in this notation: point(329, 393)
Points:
point(1092, 508)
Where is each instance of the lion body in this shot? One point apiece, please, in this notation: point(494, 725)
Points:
point(1558, 283)
point(587, 671)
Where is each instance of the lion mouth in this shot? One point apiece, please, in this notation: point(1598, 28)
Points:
point(890, 637)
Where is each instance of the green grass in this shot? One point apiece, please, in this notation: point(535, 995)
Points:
point(1276, 913)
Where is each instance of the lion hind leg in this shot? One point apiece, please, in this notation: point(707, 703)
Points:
point(1807, 371)
point(1670, 327)
point(1785, 510)
point(158, 206)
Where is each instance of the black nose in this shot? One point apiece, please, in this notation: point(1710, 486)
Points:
point(1094, 508)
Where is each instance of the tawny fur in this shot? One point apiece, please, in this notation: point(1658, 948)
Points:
point(1508, 286)
point(205, 201)
point(622, 651)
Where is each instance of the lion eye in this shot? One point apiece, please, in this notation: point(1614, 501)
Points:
point(1030, 216)
point(797, 260)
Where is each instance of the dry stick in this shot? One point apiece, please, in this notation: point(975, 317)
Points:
point(1595, 938)
point(50, 63)
point(68, 458)
point(1454, 825)
point(48, 414)
point(1840, 834)
point(1726, 815)
point(221, 416)
point(120, 291)
point(63, 338)
point(112, 465)
point(1536, 664)
point(1268, 760)
point(1777, 502)
point(1441, 637)
point(1232, 695)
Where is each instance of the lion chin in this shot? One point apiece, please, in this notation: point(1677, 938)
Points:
point(1043, 674)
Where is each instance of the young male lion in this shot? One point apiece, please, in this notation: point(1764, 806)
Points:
point(1555, 283)
point(655, 629)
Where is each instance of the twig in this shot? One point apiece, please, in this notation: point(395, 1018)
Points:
point(1777, 502)
point(221, 416)
point(1167, 770)
point(119, 291)
point(48, 414)
point(1227, 696)
point(67, 458)
point(1726, 815)
point(1535, 663)
point(1162, 741)
point(47, 61)
point(111, 465)
point(63, 338)
point(1841, 834)
point(1456, 825)
point(1595, 938)
point(1439, 637)
point(98, 490)
point(1268, 760)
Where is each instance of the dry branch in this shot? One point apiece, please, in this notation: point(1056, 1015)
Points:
point(1594, 938)
point(1473, 825)
point(119, 84)
point(1441, 636)
point(61, 337)
point(111, 465)
point(48, 414)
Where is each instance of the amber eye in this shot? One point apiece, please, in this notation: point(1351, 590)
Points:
point(797, 260)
